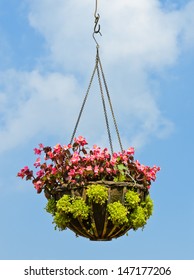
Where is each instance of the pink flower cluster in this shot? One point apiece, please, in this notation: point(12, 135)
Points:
point(149, 172)
point(75, 165)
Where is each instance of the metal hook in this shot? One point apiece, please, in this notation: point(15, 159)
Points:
point(97, 28)
point(97, 25)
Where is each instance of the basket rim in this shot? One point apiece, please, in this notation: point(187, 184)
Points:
point(108, 184)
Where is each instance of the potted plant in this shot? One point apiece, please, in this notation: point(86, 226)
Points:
point(95, 194)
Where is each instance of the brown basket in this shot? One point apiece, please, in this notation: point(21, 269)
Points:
point(102, 227)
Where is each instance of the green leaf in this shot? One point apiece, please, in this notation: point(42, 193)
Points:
point(121, 167)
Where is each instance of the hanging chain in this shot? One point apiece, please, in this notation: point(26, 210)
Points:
point(100, 73)
point(111, 107)
point(83, 104)
point(104, 104)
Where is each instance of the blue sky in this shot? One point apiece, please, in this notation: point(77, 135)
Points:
point(46, 58)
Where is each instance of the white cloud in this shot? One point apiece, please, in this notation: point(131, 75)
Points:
point(138, 36)
point(34, 103)
point(139, 31)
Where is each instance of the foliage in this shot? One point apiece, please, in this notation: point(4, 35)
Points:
point(132, 214)
point(132, 199)
point(118, 213)
point(75, 165)
point(67, 208)
point(97, 193)
point(79, 209)
point(51, 206)
point(61, 220)
point(148, 206)
point(138, 218)
point(139, 211)
point(64, 204)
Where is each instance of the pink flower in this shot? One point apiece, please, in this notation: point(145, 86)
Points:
point(96, 170)
point(65, 147)
point(89, 168)
point(100, 156)
point(50, 154)
point(108, 170)
point(80, 171)
point(37, 162)
point(23, 172)
point(20, 174)
point(37, 151)
point(130, 151)
point(101, 169)
point(57, 148)
point(72, 162)
point(92, 158)
point(81, 141)
point(125, 159)
point(75, 158)
point(106, 153)
point(25, 169)
point(113, 161)
point(40, 173)
point(151, 172)
point(96, 149)
point(139, 166)
point(38, 186)
point(71, 172)
point(86, 158)
point(54, 171)
point(115, 155)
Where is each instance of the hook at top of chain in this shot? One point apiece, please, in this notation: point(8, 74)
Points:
point(97, 25)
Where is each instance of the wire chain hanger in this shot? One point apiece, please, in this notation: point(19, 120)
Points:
point(102, 82)
point(97, 25)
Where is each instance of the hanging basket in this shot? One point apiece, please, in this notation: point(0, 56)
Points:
point(93, 193)
point(131, 207)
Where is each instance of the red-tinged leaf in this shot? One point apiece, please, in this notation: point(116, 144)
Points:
point(84, 151)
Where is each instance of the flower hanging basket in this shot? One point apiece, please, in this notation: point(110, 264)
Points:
point(96, 194)
point(93, 193)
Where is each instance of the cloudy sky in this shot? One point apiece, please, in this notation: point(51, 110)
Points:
point(47, 56)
